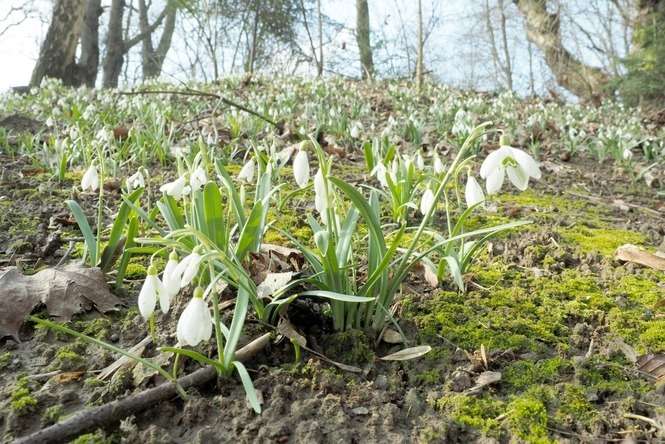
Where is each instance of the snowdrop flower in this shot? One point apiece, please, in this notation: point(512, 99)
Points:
point(195, 323)
point(301, 168)
point(247, 172)
point(198, 178)
point(473, 193)
point(419, 162)
point(519, 165)
point(426, 202)
point(355, 130)
point(175, 189)
point(627, 154)
point(136, 180)
point(320, 196)
point(188, 268)
point(151, 290)
point(284, 155)
point(90, 180)
point(438, 164)
point(170, 281)
point(179, 151)
point(381, 172)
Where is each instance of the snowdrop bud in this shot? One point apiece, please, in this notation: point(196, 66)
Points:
point(355, 130)
point(320, 196)
point(627, 154)
point(473, 193)
point(198, 178)
point(170, 281)
point(420, 162)
point(321, 239)
point(152, 288)
point(426, 202)
point(175, 189)
point(90, 180)
point(438, 165)
point(301, 168)
point(195, 323)
point(136, 180)
point(247, 172)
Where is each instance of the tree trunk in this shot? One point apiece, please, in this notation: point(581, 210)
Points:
point(89, 62)
point(153, 59)
point(319, 68)
point(420, 69)
point(362, 38)
point(508, 67)
point(58, 51)
point(115, 48)
point(544, 30)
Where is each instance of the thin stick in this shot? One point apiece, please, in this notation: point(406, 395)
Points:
point(112, 412)
point(192, 92)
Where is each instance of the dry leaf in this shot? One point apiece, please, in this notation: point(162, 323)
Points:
point(66, 377)
point(628, 351)
point(285, 328)
point(428, 273)
point(408, 353)
point(123, 360)
point(390, 336)
point(633, 253)
point(64, 290)
point(272, 283)
point(485, 379)
point(653, 364)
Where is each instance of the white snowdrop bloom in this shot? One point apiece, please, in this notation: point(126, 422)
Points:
point(320, 196)
point(246, 174)
point(438, 165)
point(427, 201)
point(150, 292)
point(627, 154)
point(170, 282)
point(301, 168)
point(519, 166)
point(198, 178)
point(136, 180)
point(355, 130)
point(283, 156)
point(175, 189)
point(90, 180)
point(179, 151)
point(195, 323)
point(473, 192)
point(419, 162)
point(188, 268)
point(380, 171)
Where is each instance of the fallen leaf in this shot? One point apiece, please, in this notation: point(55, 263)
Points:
point(272, 283)
point(633, 253)
point(408, 353)
point(64, 290)
point(390, 336)
point(627, 350)
point(428, 273)
point(125, 361)
point(485, 379)
point(285, 328)
point(653, 364)
point(66, 377)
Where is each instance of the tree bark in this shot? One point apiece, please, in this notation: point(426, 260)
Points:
point(319, 68)
point(58, 51)
point(363, 39)
point(115, 50)
point(508, 67)
point(153, 58)
point(544, 30)
point(89, 61)
point(420, 69)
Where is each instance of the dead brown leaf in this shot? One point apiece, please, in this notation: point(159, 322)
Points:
point(64, 290)
point(484, 379)
point(66, 377)
point(653, 364)
point(633, 253)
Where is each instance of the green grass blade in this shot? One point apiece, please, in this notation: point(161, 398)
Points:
point(84, 226)
point(248, 385)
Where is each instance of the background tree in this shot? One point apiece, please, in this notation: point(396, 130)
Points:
point(363, 39)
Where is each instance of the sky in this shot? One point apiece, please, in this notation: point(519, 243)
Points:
point(453, 53)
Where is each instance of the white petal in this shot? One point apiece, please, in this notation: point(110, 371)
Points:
point(301, 168)
point(90, 180)
point(493, 161)
point(473, 193)
point(148, 297)
point(528, 163)
point(495, 180)
point(246, 174)
point(198, 178)
point(188, 269)
point(427, 201)
point(195, 323)
point(518, 177)
point(174, 189)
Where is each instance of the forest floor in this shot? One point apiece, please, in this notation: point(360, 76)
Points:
point(549, 310)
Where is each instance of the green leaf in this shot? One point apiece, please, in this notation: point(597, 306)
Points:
point(239, 315)
point(233, 192)
point(336, 296)
point(250, 236)
point(214, 215)
point(132, 231)
point(84, 226)
point(171, 212)
point(110, 252)
point(198, 357)
point(248, 385)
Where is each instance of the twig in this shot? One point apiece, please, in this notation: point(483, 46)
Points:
point(192, 92)
point(112, 412)
point(653, 422)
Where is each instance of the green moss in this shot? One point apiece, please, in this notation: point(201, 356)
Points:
point(5, 360)
point(520, 375)
point(428, 377)
point(527, 419)
point(92, 438)
point(52, 414)
point(477, 412)
point(135, 271)
point(573, 406)
point(22, 401)
point(349, 347)
point(97, 328)
point(600, 240)
point(67, 359)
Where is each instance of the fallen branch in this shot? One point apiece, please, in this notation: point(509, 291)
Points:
point(112, 412)
point(633, 253)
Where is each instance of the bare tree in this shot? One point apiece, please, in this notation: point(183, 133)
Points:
point(152, 59)
point(420, 69)
point(58, 51)
point(363, 39)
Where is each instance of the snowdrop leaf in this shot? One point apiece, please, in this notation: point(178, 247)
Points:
point(408, 353)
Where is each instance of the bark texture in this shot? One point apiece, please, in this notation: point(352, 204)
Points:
point(363, 40)
point(153, 58)
point(544, 30)
point(58, 51)
point(89, 61)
